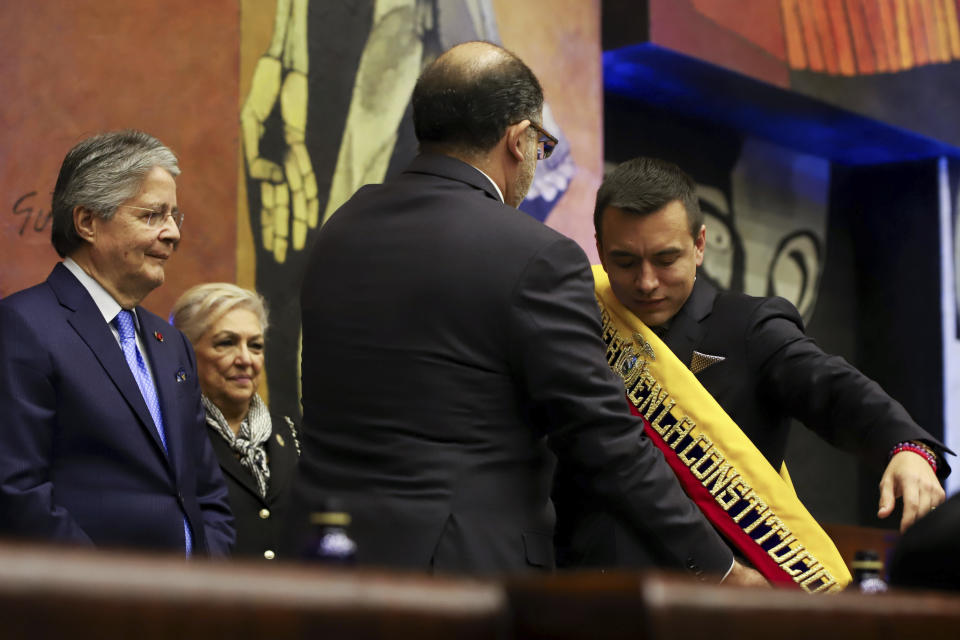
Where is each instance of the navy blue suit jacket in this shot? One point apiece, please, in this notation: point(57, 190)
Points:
point(80, 457)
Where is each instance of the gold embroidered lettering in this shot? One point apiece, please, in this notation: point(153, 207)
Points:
point(775, 525)
point(679, 431)
point(784, 544)
point(637, 395)
point(665, 411)
point(757, 505)
point(721, 478)
point(827, 582)
point(801, 557)
point(701, 441)
point(730, 496)
point(656, 395)
point(813, 567)
point(715, 457)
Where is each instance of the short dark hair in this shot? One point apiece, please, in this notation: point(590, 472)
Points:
point(468, 108)
point(100, 173)
point(645, 185)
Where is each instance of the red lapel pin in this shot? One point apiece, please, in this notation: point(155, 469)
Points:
point(158, 336)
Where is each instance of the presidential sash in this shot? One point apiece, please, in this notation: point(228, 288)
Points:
point(753, 506)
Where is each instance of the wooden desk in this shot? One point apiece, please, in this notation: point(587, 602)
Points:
point(76, 594)
point(668, 607)
point(48, 592)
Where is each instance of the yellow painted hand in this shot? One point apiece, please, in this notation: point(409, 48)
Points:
point(281, 74)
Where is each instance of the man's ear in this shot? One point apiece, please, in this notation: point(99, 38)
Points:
point(700, 244)
point(516, 139)
point(84, 222)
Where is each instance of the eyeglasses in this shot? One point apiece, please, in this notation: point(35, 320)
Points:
point(546, 143)
point(156, 218)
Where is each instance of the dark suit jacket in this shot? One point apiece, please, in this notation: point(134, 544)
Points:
point(448, 339)
point(80, 458)
point(258, 520)
point(928, 554)
point(772, 372)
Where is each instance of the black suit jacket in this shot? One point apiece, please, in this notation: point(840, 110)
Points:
point(448, 339)
point(259, 520)
point(771, 372)
point(80, 458)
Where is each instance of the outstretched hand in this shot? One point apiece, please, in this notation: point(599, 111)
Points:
point(910, 477)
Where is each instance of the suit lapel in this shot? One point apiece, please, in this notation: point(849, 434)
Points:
point(687, 328)
point(88, 322)
point(230, 463)
point(283, 459)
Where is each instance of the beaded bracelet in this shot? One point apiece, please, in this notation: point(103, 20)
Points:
point(918, 448)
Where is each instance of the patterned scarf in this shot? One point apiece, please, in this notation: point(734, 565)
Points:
point(249, 440)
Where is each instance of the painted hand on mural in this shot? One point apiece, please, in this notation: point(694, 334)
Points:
point(281, 75)
point(406, 36)
point(388, 70)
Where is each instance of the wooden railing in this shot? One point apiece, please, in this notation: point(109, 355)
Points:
point(48, 592)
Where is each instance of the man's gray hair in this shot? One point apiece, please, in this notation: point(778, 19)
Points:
point(101, 173)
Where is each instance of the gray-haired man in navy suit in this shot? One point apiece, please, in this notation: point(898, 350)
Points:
point(102, 439)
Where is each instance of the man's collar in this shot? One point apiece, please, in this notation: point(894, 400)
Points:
point(700, 303)
point(105, 302)
point(499, 193)
point(442, 165)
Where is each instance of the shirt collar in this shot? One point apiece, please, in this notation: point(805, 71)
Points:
point(108, 307)
point(499, 193)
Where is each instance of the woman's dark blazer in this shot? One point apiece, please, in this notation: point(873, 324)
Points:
point(258, 520)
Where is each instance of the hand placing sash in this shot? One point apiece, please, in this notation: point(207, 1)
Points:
point(753, 506)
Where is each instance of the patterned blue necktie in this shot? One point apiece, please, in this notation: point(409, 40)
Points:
point(128, 342)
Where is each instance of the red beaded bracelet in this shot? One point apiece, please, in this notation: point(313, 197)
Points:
point(918, 448)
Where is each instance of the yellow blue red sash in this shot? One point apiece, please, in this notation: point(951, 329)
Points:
point(753, 506)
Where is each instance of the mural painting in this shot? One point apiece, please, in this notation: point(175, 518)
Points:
point(327, 111)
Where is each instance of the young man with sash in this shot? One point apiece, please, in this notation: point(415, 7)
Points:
point(716, 377)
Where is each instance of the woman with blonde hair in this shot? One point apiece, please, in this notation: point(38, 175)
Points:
point(257, 451)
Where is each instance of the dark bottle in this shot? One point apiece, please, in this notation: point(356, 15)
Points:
point(330, 542)
point(868, 573)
